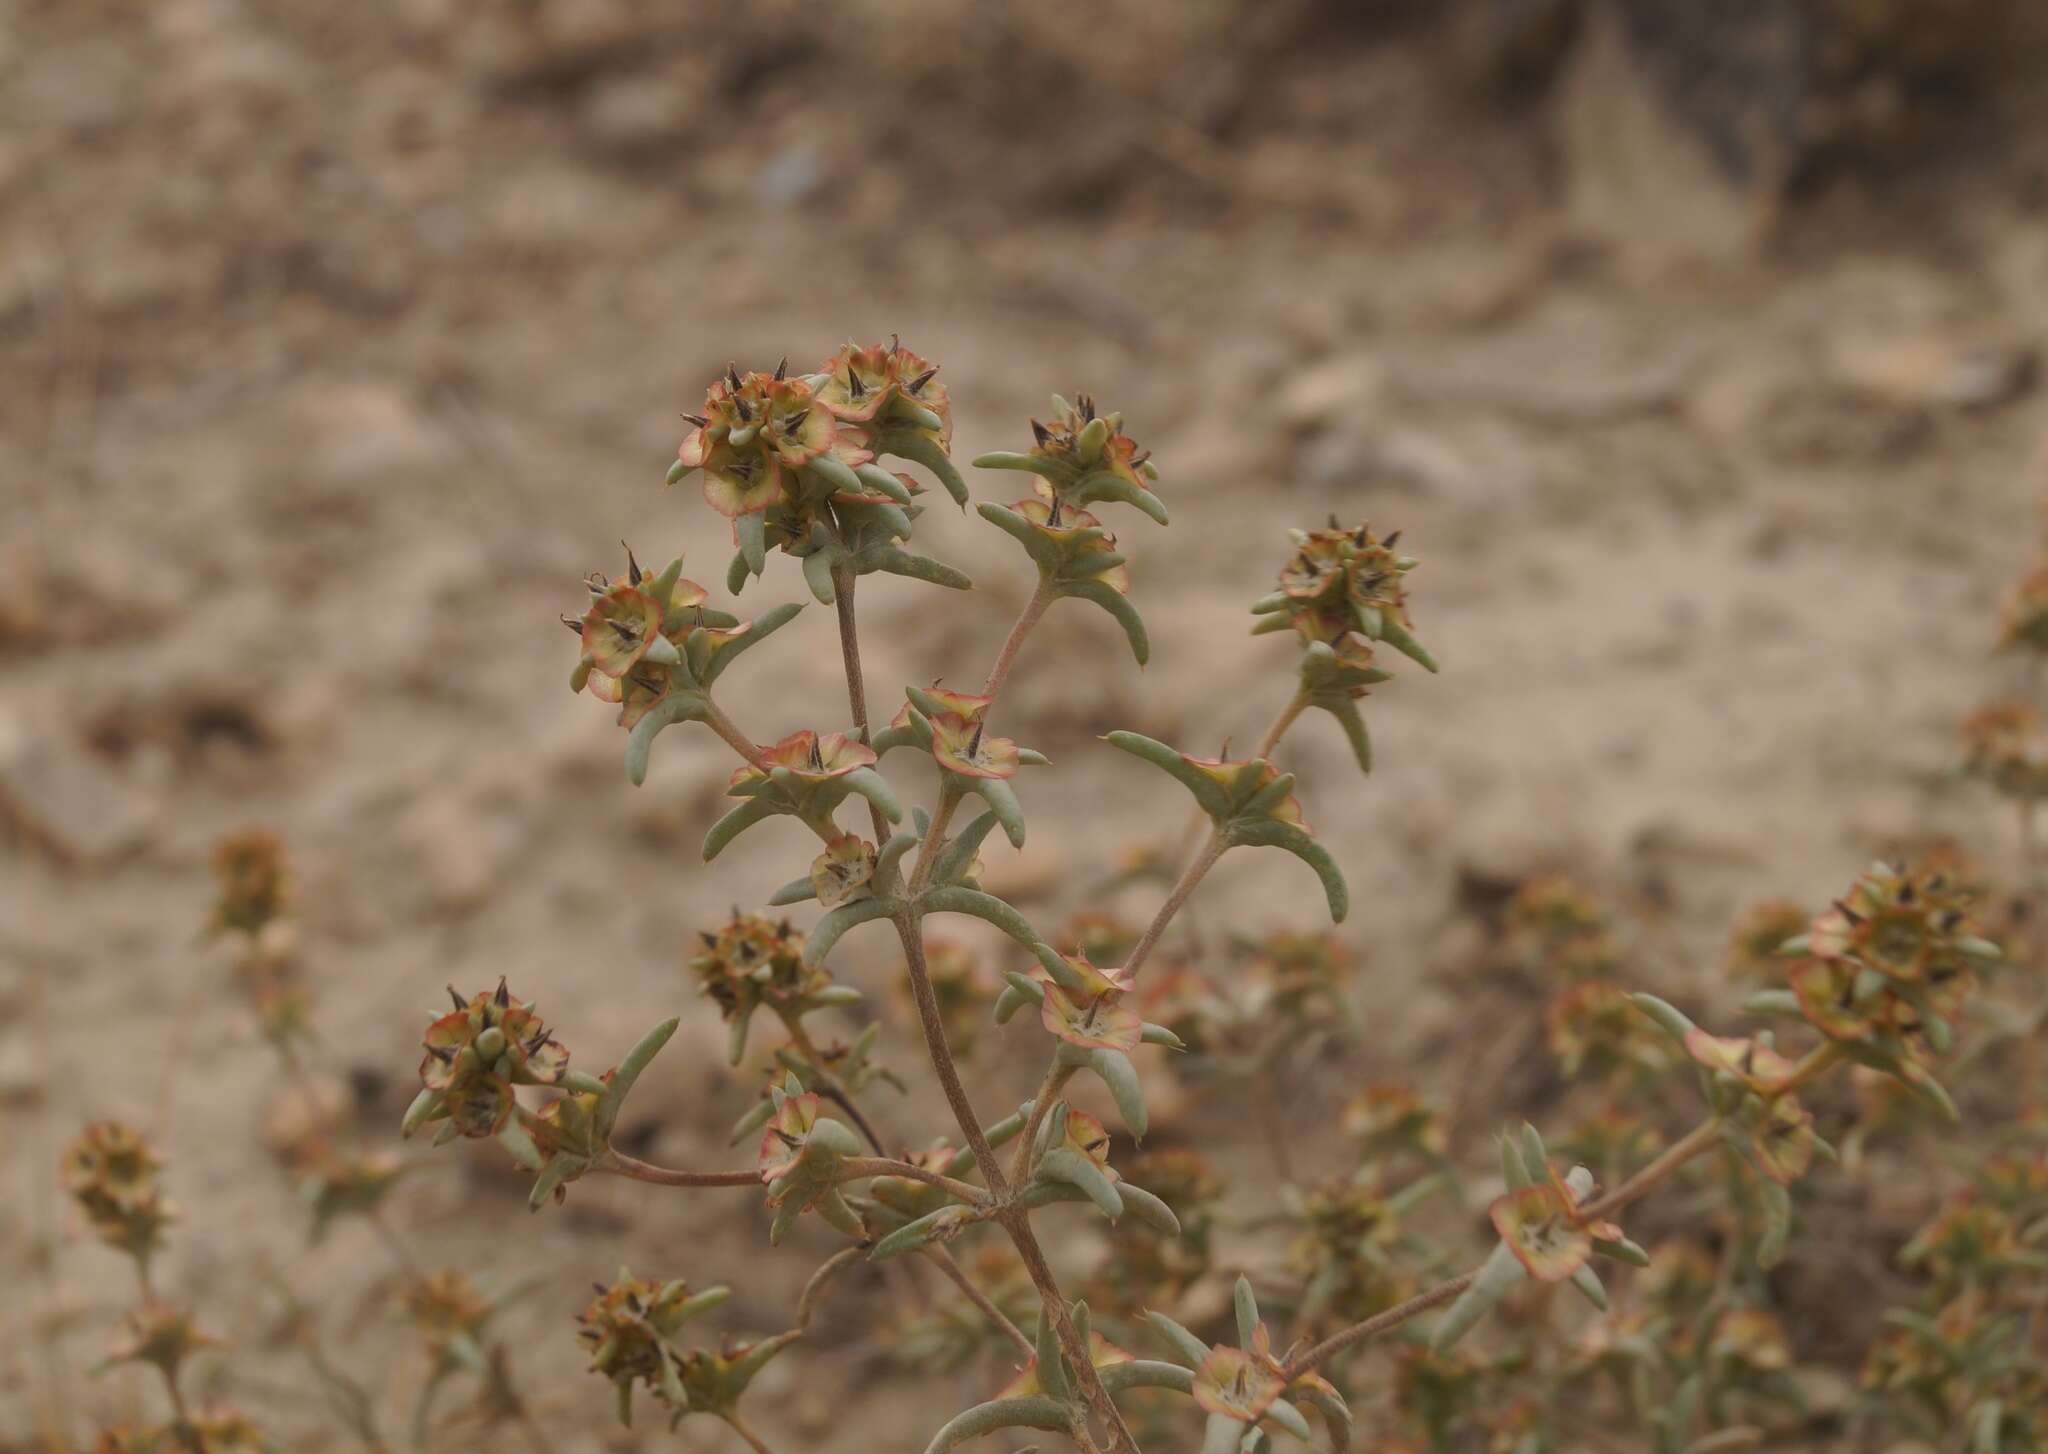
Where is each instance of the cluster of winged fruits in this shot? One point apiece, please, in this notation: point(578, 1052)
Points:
point(796, 464)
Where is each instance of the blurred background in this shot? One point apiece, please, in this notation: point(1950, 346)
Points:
point(1693, 348)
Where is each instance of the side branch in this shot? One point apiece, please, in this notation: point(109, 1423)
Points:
point(1026, 620)
point(620, 1164)
point(1696, 1142)
point(1380, 1323)
point(933, 1025)
point(957, 1275)
point(1176, 899)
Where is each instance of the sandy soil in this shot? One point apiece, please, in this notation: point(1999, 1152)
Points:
point(336, 350)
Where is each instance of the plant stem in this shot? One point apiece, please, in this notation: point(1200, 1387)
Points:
point(1700, 1139)
point(949, 795)
point(943, 1066)
point(1026, 619)
point(620, 1164)
point(830, 1088)
point(1175, 898)
point(934, 836)
point(1380, 1323)
point(807, 1304)
point(1016, 1223)
point(1296, 705)
point(1056, 1078)
point(1817, 1061)
point(909, 931)
point(739, 1426)
point(957, 1275)
point(717, 721)
point(181, 1416)
point(395, 1245)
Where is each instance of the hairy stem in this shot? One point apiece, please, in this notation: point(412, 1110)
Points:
point(807, 1304)
point(618, 1163)
point(1380, 1323)
point(1694, 1143)
point(1296, 705)
point(1176, 898)
point(831, 1088)
point(949, 795)
point(934, 836)
point(739, 1426)
point(943, 1066)
point(717, 721)
point(1079, 1355)
point(1026, 619)
point(957, 1275)
point(1014, 1222)
point(1056, 1078)
point(911, 933)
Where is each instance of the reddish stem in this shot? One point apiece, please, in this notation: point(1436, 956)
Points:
point(1007, 657)
point(620, 1164)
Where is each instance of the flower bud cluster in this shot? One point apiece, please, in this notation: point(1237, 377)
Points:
point(475, 1054)
point(112, 1176)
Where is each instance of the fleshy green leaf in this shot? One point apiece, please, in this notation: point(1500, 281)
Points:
point(828, 930)
point(960, 849)
point(1191, 1349)
point(1270, 833)
point(1003, 1413)
point(959, 899)
point(1119, 605)
point(1063, 1163)
point(1206, 791)
point(739, 820)
point(1501, 1271)
point(922, 449)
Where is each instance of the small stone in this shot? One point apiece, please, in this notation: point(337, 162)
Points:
point(303, 1113)
point(1567, 363)
point(365, 432)
point(636, 113)
point(1645, 177)
point(1338, 389)
point(1933, 370)
point(1398, 459)
point(67, 801)
point(789, 176)
point(461, 851)
point(21, 1087)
